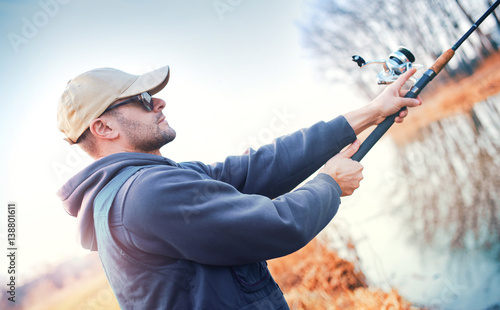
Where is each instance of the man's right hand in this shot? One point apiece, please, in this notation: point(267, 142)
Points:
point(345, 171)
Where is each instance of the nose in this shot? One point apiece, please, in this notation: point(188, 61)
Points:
point(158, 104)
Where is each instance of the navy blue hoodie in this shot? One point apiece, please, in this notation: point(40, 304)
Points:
point(196, 236)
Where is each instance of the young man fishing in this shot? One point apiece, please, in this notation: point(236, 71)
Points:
point(194, 236)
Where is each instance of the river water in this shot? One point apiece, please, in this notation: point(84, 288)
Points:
point(426, 219)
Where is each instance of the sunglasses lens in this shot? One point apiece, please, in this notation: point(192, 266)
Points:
point(147, 100)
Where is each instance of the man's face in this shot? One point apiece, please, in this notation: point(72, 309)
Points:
point(145, 131)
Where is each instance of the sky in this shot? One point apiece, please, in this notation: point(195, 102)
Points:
point(239, 78)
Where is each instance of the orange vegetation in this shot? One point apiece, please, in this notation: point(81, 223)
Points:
point(455, 97)
point(315, 277)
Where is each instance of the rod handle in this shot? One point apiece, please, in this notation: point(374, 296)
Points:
point(376, 134)
point(442, 61)
point(382, 128)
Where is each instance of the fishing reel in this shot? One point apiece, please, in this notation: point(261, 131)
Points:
point(398, 63)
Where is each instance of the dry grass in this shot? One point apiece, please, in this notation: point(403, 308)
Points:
point(89, 290)
point(95, 293)
point(315, 277)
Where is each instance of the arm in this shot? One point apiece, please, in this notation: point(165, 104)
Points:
point(387, 103)
point(180, 214)
point(279, 167)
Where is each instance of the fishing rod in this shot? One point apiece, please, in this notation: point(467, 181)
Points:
point(398, 63)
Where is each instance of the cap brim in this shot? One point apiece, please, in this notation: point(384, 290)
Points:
point(153, 82)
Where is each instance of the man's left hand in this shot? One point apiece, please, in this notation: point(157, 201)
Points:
point(391, 100)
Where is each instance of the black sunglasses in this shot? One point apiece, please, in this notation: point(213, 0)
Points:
point(145, 98)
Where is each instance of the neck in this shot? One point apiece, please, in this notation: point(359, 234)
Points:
point(114, 148)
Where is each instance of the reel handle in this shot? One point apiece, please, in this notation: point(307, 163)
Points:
point(398, 63)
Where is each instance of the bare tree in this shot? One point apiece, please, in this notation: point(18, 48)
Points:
point(337, 29)
point(490, 3)
point(452, 179)
point(487, 47)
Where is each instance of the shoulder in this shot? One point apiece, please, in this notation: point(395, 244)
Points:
point(161, 186)
point(157, 192)
point(163, 176)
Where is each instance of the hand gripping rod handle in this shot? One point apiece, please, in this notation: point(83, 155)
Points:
point(382, 128)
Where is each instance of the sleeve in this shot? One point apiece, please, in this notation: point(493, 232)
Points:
point(179, 214)
point(279, 167)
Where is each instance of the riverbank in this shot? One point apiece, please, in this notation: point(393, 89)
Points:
point(450, 99)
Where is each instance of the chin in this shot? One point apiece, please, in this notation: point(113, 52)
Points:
point(169, 135)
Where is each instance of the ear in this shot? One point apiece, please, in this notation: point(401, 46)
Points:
point(103, 128)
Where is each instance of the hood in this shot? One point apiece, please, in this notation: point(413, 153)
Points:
point(79, 192)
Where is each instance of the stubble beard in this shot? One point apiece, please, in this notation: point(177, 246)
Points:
point(146, 138)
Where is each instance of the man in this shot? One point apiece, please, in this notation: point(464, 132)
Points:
point(194, 236)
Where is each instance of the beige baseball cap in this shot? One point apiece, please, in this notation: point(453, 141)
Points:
point(89, 94)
